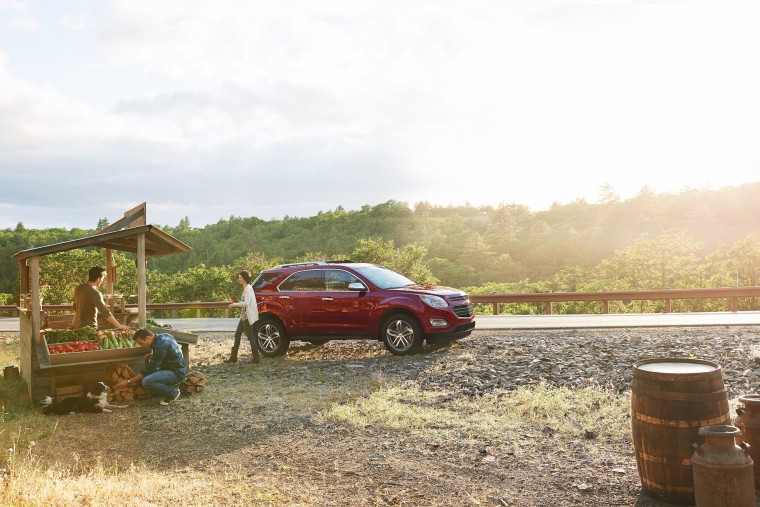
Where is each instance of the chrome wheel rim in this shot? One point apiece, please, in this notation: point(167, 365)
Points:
point(269, 337)
point(400, 335)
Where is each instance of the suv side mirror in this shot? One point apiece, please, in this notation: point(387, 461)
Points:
point(357, 286)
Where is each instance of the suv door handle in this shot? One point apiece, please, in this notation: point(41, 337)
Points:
point(284, 297)
point(327, 299)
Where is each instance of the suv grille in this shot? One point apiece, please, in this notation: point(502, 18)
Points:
point(463, 311)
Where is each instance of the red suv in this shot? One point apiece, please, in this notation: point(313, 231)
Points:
point(321, 301)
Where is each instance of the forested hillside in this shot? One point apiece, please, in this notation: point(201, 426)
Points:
point(612, 242)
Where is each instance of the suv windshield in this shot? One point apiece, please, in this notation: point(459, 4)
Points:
point(263, 279)
point(384, 278)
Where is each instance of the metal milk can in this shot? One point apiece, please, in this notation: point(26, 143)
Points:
point(748, 421)
point(722, 470)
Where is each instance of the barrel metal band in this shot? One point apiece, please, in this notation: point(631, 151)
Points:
point(679, 396)
point(662, 487)
point(678, 423)
point(665, 461)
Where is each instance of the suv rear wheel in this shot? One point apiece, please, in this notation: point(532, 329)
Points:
point(402, 334)
point(271, 337)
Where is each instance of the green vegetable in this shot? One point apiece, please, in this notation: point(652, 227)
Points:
point(81, 334)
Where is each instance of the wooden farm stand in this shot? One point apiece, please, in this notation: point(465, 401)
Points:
point(44, 372)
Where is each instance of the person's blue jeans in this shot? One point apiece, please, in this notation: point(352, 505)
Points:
point(162, 383)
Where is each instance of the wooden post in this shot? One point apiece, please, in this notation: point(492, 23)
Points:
point(35, 304)
point(23, 269)
point(142, 302)
point(605, 306)
point(549, 307)
point(495, 308)
point(668, 305)
point(29, 321)
point(110, 273)
point(734, 304)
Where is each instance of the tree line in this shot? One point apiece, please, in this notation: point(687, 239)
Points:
point(704, 238)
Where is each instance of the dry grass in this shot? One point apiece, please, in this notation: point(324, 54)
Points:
point(494, 416)
point(274, 399)
point(37, 484)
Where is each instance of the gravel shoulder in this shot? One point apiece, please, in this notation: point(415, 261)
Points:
point(266, 424)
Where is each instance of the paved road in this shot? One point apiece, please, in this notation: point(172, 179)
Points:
point(515, 321)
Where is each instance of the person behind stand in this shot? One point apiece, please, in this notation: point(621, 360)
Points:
point(249, 313)
point(164, 366)
point(88, 302)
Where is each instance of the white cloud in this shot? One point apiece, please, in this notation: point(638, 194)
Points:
point(12, 6)
point(355, 101)
point(77, 21)
point(23, 23)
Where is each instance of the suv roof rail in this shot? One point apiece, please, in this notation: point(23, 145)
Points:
point(293, 264)
point(312, 263)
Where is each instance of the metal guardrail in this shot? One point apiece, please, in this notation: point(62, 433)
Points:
point(548, 298)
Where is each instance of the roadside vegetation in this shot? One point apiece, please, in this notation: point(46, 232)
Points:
point(692, 239)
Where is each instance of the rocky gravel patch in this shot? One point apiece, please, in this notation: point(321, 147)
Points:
point(507, 359)
point(577, 358)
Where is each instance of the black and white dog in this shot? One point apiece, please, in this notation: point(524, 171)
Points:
point(94, 401)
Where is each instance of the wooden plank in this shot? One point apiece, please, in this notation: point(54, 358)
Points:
point(179, 336)
point(25, 332)
point(132, 218)
point(125, 240)
point(79, 359)
point(45, 381)
point(142, 295)
point(90, 356)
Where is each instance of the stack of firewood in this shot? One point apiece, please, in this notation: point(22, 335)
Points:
point(129, 393)
point(195, 382)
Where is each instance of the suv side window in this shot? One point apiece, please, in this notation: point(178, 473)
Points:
point(310, 280)
point(338, 280)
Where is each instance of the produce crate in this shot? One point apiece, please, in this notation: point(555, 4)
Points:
point(68, 391)
point(92, 355)
point(180, 336)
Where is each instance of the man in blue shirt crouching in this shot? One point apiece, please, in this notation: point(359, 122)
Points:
point(164, 367)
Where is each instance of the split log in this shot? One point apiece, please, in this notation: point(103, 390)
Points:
point(195, 382)
point(116, 374)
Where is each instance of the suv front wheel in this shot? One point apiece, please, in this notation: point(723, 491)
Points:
point(402, 334)
point(271, 337)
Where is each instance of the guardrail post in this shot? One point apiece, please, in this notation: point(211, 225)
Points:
point(734, 305)
point(668, 305)
point(226, 313)
point(173, 314)
point(495, 308)
point(198, 313)
point(549, 307)
point(605, 306)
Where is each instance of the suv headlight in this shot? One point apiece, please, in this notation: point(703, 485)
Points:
point(434, 301)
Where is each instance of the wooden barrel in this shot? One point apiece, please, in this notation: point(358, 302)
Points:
point(670, 400)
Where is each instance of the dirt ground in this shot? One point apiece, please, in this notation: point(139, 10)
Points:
point(262, 423)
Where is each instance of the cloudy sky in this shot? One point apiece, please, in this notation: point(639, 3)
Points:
point(253, 108)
